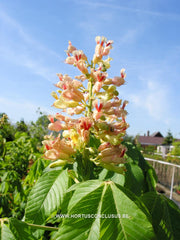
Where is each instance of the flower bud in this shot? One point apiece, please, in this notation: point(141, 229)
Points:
point(58, 163)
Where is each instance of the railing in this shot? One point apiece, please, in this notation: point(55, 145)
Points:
point(160, 154)
point(166, 173)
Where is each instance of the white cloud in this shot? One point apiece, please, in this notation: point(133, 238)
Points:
point(24, 50)
point(28, 39)
point(116, 5)
point(153, 98)
point(129, 36)
point(30, 62)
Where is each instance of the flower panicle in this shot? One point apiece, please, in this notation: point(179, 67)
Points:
point(104, 114)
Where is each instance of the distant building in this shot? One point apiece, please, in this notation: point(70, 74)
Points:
point(164, 149)
point(154, 139)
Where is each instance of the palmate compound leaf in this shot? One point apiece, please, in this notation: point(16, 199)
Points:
point(46, 196)
point(165, 215)
point(93, 210)
point(16, 230)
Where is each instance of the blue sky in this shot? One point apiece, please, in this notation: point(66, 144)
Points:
point(146, 34)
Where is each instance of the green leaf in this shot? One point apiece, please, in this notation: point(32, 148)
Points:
point(135, 156)
point(120, 217)
point(134, 178)
point(110, 175)
point(132, 152)
point(35, 171)
point(16, 230)
point(165, 215)
point(151, 179)
point(46, 196)
point(93, 141)
point(106, 174)
point(118, 178)
point(6, 233)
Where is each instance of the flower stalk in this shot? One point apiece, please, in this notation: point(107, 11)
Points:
point(90, 96)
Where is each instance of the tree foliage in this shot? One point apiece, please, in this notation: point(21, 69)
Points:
point(18, 151)
point(176, 150)
point(7, 130)
point(168, 139)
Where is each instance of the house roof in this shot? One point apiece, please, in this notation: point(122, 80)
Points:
point(149, 140)
point(156, 134)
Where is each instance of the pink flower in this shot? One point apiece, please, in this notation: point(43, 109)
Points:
point(113, 154)
point(79, 55)
point(108, 47)
point(98, 108)
point(72, 94)
point(119, 112)
point(82, 66)
point(52, 154)
point(60, 76)
point(118, 81)
point(108, 105)
point(86, 96)
point(97, 87)
point(123, 74)
point(58, 149)
point(76, 84)
point(63, 146)
point(81, 77)
point(124, 104)
point(62, 117)
point(68, 82)
point(70, 60)
point(99, 76)
point(97, 113)
point(121, 126)
point(71, 48)
point(99, 47)
point(57, 126)
point(78, 59)
point(85, 123)
point(113, 159)
point(76, 110)
point(104, 146)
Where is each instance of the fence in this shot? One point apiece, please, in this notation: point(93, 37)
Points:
point(168, 173)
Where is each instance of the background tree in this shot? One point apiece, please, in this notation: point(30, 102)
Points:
point(19, 149)
point(176, 150)
point(39, 128)
point(7, 130)
point(22, 126)
point(129, 138)
point(168, 139)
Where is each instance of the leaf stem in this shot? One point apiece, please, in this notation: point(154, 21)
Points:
point(42, 227)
